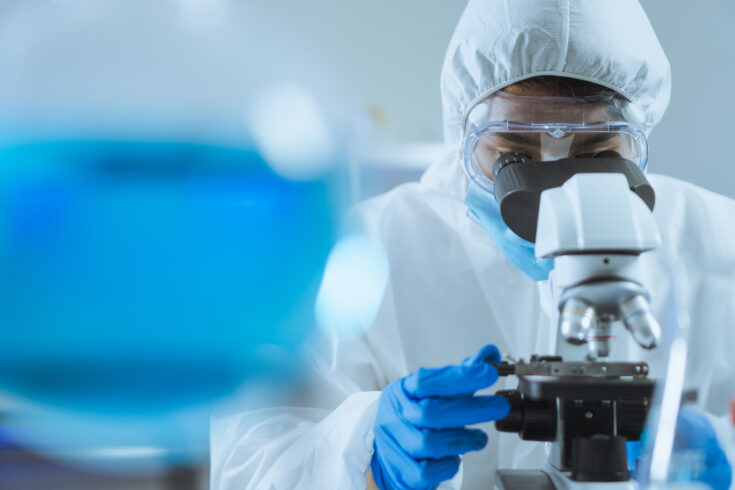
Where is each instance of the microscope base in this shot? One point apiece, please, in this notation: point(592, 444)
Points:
point(549, 478)
point(523, 480)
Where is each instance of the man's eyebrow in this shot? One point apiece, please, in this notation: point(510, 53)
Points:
point(518, 138)
point(589, 140)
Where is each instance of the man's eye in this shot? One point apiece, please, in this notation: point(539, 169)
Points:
point(515, 153)
point(522, 151)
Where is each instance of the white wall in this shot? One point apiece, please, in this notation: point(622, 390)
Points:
point(390, 52)
point(695, 140)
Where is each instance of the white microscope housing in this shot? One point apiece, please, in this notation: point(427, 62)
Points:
point(594, 224)
point(595, 229)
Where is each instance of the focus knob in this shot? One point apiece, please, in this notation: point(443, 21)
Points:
point(599, 458)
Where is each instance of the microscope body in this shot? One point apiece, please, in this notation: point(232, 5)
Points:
point(595, 228)
point(582, 405)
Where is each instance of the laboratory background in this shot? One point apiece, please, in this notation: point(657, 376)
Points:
point(372, 67)
point(390, 55)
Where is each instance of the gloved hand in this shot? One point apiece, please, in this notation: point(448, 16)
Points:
point(694, 432)
point(420, 425)
point(697, 454)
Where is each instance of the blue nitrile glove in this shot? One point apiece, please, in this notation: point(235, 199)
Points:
point(420, 425)
point(694, 432)
point(633, 452)
point(697, 455)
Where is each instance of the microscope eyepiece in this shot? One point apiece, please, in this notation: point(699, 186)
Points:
point(507, 159)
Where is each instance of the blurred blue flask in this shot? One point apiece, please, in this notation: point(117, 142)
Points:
point(146, 276)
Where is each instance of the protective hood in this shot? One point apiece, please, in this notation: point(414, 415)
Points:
point(499, 42)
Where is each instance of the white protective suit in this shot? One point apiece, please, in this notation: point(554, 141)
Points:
point(451, 291)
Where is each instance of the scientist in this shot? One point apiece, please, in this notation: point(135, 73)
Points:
point(385, 412)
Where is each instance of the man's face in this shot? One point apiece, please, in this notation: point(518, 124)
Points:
point(544, 147)
point(541, 145)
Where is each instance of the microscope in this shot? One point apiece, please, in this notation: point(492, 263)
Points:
point(593, 216)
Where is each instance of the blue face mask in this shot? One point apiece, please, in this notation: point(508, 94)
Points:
point(518, 251)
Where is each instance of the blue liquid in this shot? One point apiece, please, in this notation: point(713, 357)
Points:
point(145, 277)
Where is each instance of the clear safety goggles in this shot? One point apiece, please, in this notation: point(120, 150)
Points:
point(548, 129)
